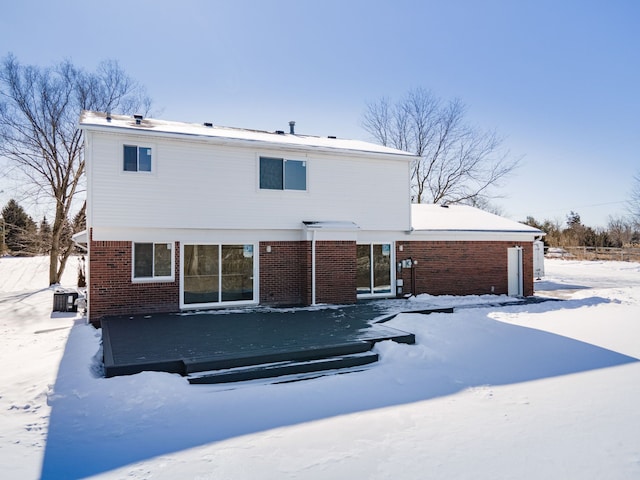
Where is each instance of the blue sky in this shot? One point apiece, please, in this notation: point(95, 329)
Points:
point(558, 79)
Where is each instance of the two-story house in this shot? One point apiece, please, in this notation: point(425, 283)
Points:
point(190, 216)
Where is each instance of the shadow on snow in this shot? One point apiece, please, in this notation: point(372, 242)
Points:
point(98, 424)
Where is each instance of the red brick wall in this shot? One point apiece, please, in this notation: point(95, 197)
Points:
point(457, 268)
point(462, 268)
point(111, 291)
point(335, 272)
point(285, 273)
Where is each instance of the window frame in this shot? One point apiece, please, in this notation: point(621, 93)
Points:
point(392, 271)
point(153, 278)
point(137, 146)
point(283, 162)
point(222, 303)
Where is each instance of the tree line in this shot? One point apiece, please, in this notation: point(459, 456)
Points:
point(620, 232)
point(22, 236)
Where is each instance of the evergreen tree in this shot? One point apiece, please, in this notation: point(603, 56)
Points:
point(80, 220)
point(44, 237)
point(573, 219)
point(20, 230)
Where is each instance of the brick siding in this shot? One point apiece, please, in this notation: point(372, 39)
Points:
point(285, 273)
point(111, 291)
point(462, 268)
point(443, 268)
point(335, 272)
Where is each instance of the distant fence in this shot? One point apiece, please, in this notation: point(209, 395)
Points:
point(625, 254)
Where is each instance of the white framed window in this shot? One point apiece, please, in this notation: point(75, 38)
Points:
point(152, 262)
point(218, 273)
point(283, 174)
point(136, 158)
point(374, 269)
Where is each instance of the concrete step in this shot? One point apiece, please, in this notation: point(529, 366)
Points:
point(246, 358)
point(278, 369)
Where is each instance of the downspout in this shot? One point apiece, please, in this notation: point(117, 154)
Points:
point(313, 268)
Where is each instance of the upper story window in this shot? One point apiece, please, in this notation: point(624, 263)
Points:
point(153, 261)
point(137, 159)
point(281, 174)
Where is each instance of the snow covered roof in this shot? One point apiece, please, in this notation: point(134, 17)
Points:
point(100, 121)
point(80, 237)
point(463, 218)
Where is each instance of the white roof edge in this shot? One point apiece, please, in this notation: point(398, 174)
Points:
point(80, 237)
point(330, 225)
point(471, 236)
point(96, 121)
point(462, 230)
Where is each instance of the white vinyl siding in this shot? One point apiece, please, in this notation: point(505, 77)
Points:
point(197, 185)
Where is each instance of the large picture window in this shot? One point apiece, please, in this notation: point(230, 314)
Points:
point(373, 270)
point(218, 273)
point(281, 174)
point(153, 261)
point(136, 159)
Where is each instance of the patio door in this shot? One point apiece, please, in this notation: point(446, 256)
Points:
point(374, 269)
point(217, 274)
point(514, 272)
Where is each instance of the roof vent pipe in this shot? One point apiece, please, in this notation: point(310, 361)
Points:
point(108, 116)
point(292, 127)
point(138, 119)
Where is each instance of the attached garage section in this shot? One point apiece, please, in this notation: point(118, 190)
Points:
point(461, 250)
point(461, 267)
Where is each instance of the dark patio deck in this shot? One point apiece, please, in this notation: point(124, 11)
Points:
point(239, 344)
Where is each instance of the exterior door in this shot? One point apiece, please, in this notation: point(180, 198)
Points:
point(218, 274)
point(514, 272)
point(374, 269)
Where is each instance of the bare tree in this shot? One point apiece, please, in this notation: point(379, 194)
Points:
point(39, 112)
point(457, 164)
point(620, 231)
point(634, 200)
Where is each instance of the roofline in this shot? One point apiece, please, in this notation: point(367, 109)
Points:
point(224, 140)
point(463, 230)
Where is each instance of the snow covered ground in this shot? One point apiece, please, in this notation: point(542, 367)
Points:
point(545, 390)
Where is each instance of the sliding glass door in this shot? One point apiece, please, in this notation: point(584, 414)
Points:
point(237, 273)
point(217, 274)
point(374, 269)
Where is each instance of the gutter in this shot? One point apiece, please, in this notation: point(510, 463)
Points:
point(462, 230)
